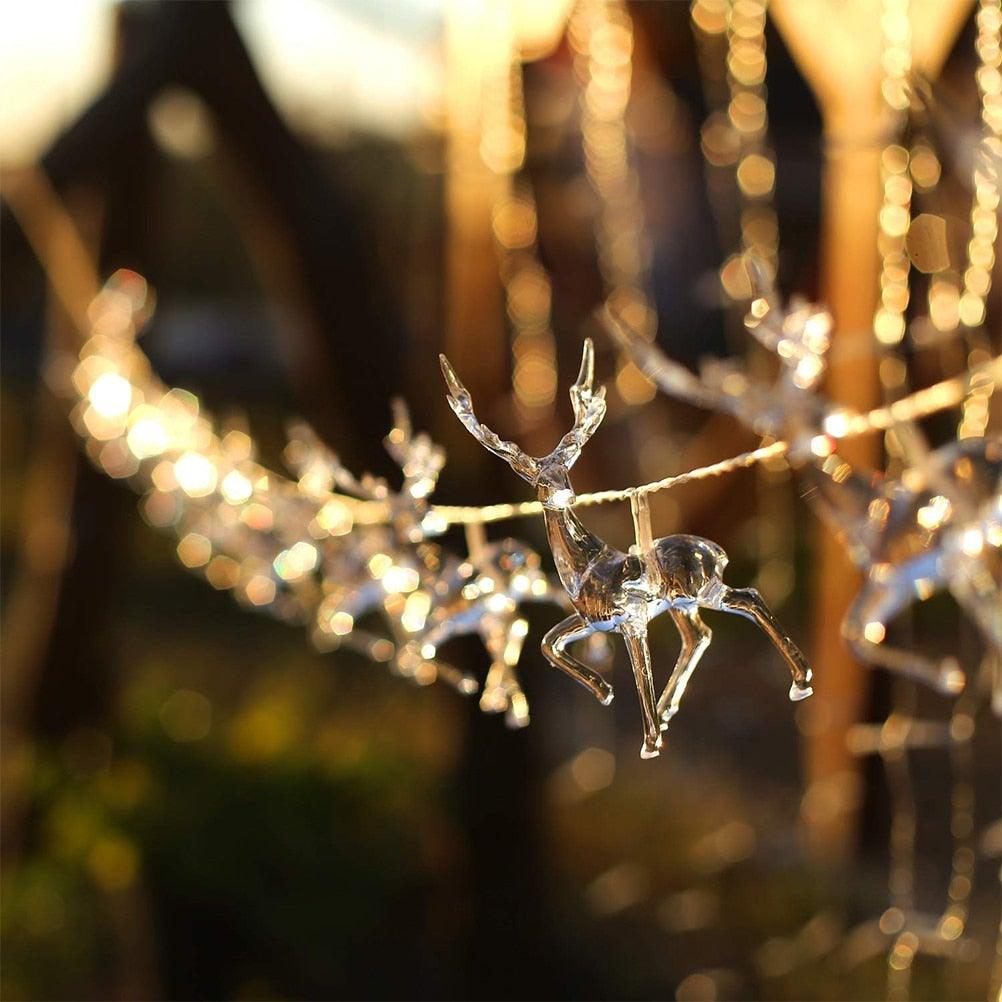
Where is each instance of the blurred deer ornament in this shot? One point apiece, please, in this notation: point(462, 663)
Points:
point(426, 595)
point(937, 528)
point(482, 596)
point(612, 591)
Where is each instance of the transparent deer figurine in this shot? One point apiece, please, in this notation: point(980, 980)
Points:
point(936, 528)
point(612, 591)
point(390, 569)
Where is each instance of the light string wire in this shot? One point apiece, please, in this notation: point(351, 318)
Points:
point(838, 425)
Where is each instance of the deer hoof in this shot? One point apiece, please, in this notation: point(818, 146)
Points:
point(797, 694)
point(607, 696)
point(649, 751)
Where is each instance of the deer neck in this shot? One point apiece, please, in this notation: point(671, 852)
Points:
point(574, 547)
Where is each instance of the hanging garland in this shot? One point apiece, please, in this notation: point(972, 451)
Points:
point(328, 549)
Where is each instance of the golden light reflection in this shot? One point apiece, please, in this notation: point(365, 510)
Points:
point(601, 37)
point(196, 475)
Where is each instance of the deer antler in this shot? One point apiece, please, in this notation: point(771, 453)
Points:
point(589, 409)
point(674, 379)
point(462, 405)
point(799, 335)
point(417, 455)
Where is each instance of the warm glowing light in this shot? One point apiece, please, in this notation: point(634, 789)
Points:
point(335, 518)
point(110, 395)
point(260, 590)
point(416, 610)
point(874, 632)
point(400, 580)
point(223, 572)
point(756, 175)
point(836, 424)
point(972, 541)
point(194, 550)
point(822, 446)
point(296, 562)
point(380, 564)
point(935, 513)
point(341, 624)
point(236, 488)
point(500, 603)
point(257, 516)
point(195, 474)
point(147, 436)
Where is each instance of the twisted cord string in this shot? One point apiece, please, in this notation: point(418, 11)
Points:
point(54, 238)
point(841, 424)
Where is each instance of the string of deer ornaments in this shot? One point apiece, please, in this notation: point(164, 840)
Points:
point(357, 561)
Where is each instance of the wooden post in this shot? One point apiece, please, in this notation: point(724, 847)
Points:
point(838, 47)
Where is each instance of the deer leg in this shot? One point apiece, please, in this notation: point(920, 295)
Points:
point(748, 603)
point(977, 593)
point(553, 647)
point(696, 636)
point(866, 625)
point(418, 659)
point(635, 634)
point(341, 609)
point(502, 691)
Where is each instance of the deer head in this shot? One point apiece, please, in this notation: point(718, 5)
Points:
point(420, 459)
point(799, 337)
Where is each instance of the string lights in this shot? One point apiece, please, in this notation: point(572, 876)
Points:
point(977, 276)
point(600, 33)
point(297, 548)
point(327, 549)
point(896, 186)
point(515, 222)
point(311, 554)
point(735, 136)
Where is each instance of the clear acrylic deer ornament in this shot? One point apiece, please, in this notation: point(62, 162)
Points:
point(612, 591)
point(936, 528)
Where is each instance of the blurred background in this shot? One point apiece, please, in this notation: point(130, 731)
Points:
point(196, 803)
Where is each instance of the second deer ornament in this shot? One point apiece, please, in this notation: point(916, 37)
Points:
point(621, 592)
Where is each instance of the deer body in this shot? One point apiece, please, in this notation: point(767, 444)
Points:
point(612, 591)
point(686, 569)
